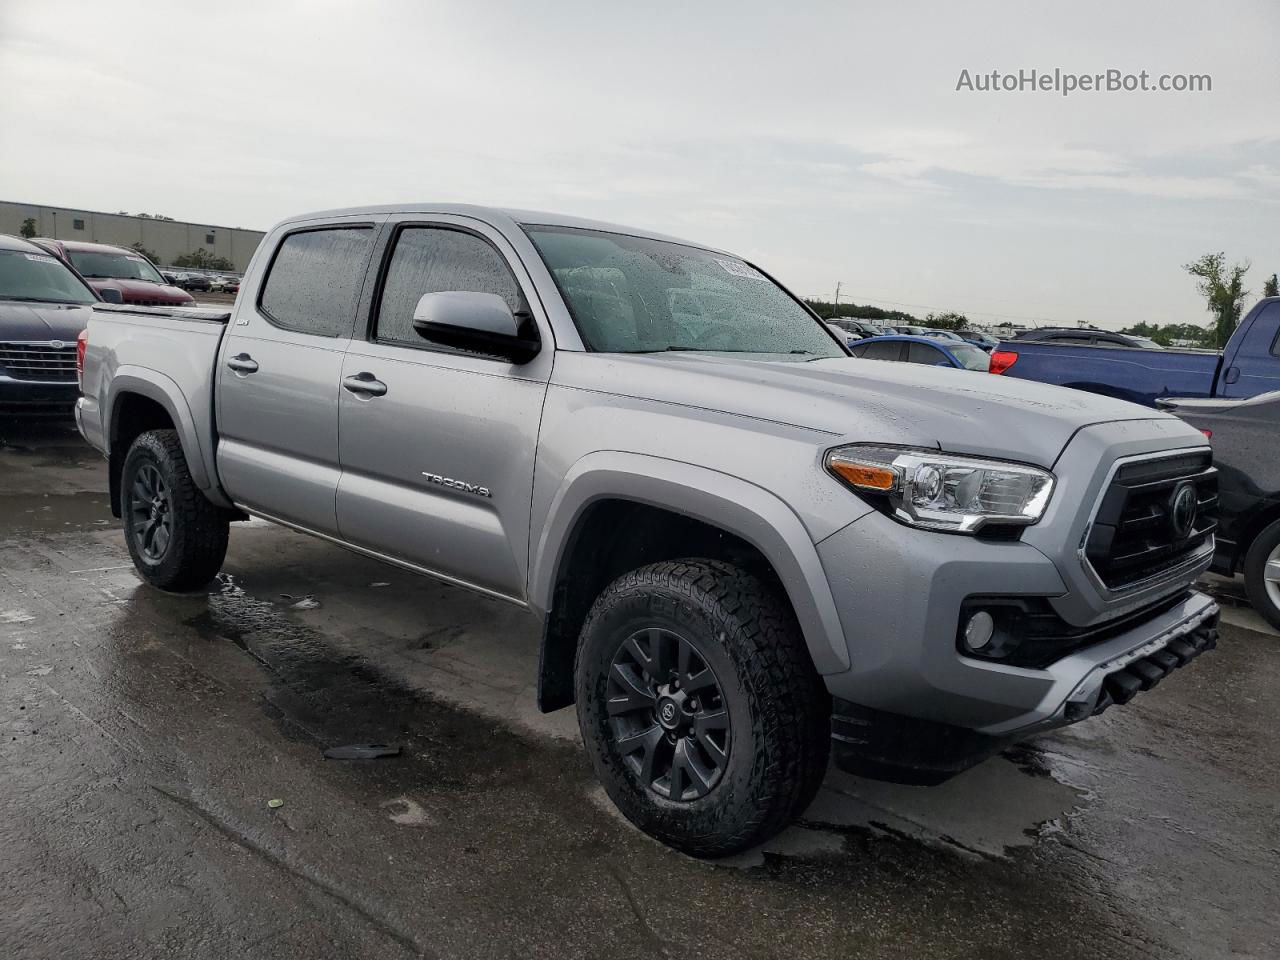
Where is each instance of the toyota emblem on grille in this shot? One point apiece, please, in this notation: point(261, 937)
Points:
point(1182, 510)
point(57, 344)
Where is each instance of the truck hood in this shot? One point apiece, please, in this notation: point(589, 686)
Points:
point(41, 321)
point(874, 401)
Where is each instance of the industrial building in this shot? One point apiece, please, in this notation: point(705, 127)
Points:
point(167, 239)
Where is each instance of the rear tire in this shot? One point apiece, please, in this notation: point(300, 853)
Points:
point(1264, 593)
point(176, 537)
point(747, 757)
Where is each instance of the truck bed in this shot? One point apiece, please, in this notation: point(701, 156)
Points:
point(1140, 376)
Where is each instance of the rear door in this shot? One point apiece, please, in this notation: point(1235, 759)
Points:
point(279, 373)
point(1255, 366)
point(437, 464)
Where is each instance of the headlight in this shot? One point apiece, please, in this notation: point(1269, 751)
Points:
point(938, 491)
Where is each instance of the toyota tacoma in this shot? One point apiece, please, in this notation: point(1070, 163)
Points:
point(748, 551)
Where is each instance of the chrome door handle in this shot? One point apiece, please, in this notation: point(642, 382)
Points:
point(242, 363)
point(366, 384)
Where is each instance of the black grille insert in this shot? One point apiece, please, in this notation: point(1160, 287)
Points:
point(1155, 515)
point(39, 362)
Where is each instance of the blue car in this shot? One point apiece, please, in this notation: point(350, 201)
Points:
point(927, 350)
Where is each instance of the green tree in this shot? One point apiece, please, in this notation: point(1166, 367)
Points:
point(202, 259)
point(947, 321)
point(1223, 290)
point(149, 254)
point(28, 227)
point(1271, 288)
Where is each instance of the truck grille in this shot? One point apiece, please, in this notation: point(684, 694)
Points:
point(39, 362)
point(1156, 515)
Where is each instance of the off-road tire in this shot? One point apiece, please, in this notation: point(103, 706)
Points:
point(198, 541)
point(779, 709)
point(1255, 562)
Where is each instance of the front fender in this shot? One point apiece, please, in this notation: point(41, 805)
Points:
point(727, 502)
point(164, 390)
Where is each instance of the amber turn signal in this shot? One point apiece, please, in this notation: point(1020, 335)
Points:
point(864, 475)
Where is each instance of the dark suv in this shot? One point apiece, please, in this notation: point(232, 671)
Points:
point(43, 307)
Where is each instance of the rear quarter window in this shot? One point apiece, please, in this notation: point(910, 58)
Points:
point(314, 280)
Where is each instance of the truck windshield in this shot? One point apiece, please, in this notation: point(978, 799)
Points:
point(39, 278)
point(636, 295)
point(114, 266)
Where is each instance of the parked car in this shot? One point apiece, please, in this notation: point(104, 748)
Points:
point(858, 329)
point(1081, 337)
point(117, 268)
point(979, 339)
point(44, 305)
point(1249, 365)
point(925, 350)
point(196, 281)
point(908, 330)
point(171, 278)
point(1245, 435)
point(231, 285)
point(938, 334)
point(745, 552)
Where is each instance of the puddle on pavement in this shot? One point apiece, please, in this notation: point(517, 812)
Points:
point(328, 698)
point(53, 513)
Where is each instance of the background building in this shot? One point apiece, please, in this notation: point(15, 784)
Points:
point(167, 239)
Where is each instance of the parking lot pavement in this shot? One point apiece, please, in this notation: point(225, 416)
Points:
point(142, 736)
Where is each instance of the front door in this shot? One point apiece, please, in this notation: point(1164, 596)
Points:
point(437, 445)
point(278, 377)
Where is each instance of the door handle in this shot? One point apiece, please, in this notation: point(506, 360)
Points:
point(243, 364)
point(364, 385)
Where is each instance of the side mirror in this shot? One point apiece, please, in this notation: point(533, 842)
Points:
point(111, 295)
point(479, 322)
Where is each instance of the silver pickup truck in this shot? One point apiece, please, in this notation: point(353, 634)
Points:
point(747, 550)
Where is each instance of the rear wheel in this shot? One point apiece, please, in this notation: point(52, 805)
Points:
point(1262, 573)
point(176, 537)
point(703, 715)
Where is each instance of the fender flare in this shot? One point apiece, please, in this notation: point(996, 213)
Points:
point(719, 499)
point(164, 390)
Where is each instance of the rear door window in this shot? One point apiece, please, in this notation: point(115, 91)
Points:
point(923, 353)
point(890, 350)
point(314, 280)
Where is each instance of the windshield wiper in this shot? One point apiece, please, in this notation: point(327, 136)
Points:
point(39, 300)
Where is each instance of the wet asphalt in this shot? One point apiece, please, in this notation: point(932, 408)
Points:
point(145, 736)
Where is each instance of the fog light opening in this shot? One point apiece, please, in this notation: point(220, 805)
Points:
point(979, 631)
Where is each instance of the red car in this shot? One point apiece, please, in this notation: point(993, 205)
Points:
point(118, 268)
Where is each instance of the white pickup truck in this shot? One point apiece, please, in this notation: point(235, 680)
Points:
point(745, 547)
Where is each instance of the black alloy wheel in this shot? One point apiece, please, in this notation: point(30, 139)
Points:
point(151, 513)
point(667, 715)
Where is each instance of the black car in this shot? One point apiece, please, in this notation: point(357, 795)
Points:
point(43, 308)
point(1245, 436)
point(195, 281)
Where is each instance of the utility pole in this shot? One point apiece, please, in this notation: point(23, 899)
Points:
point(836, 302)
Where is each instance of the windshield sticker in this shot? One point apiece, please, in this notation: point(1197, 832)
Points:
point(740, 269)
point(41, 258)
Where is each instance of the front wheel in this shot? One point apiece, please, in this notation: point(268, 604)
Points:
point(176, 537)
point(1262, 573)
point(701, 710)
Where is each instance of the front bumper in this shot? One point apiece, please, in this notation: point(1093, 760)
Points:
point(899, 593)
point(26, 397)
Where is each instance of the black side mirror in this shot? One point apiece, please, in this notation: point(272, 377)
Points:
point(479, 322)
point(111, 295)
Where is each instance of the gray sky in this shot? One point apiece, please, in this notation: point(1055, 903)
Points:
point(827, 141)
